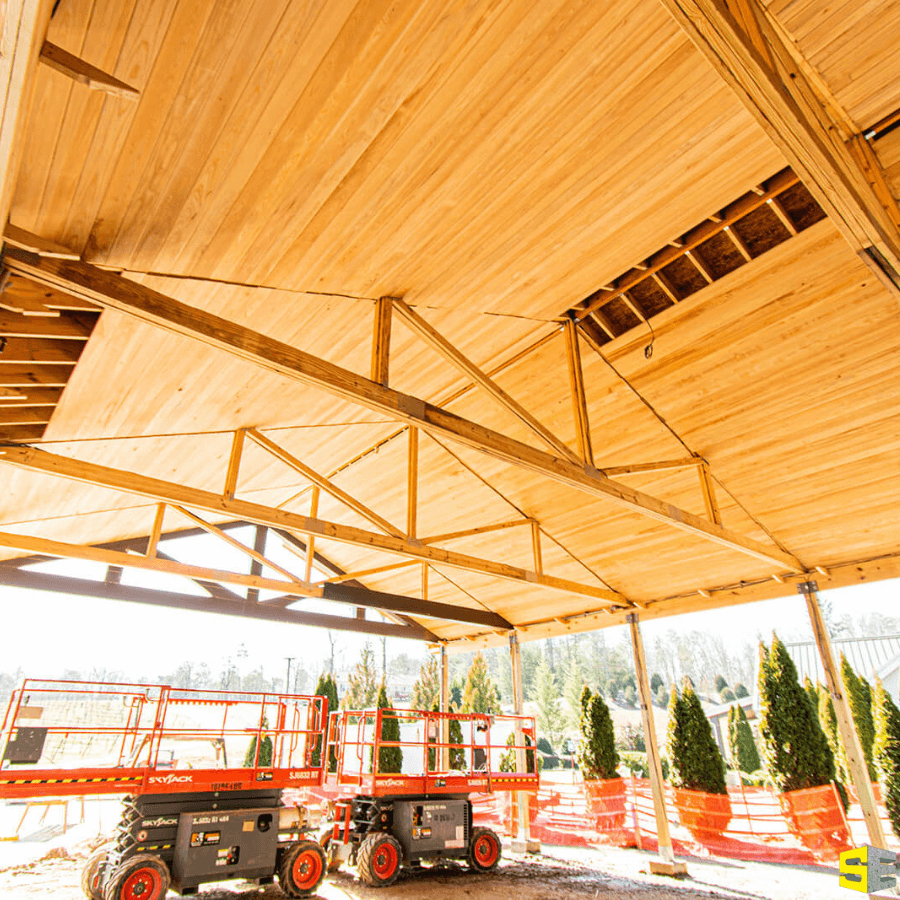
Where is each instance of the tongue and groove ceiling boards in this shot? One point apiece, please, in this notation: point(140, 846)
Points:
point(546, 311)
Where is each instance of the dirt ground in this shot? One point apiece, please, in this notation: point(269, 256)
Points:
point(558, 873)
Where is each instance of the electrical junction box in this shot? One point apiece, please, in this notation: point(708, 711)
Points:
point(428, 828)
point(217, 845)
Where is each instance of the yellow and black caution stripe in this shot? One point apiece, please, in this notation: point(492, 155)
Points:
point(143, 847)
point(107, 780)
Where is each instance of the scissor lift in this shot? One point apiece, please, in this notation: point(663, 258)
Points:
point(423, 812)
point(204, 773)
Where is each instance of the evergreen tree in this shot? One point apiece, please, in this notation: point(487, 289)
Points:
point(656, 682)
point(427, 689)
point(390, 759)
point(362, 690)
point(480, 695)
point(740, 739)
point(721, 683)
point(795, 750)
point(828, 721)
point(695, 762)
point(574, 682)
point(457, 686)
point(740, 691)
point(859, 696)
point(457, 754)
point(597, 755)
point(887, 752)
point(550, 716)
point(265, 751)
point(327, 688)
point(811, 690)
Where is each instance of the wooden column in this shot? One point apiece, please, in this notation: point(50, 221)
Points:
point(523, 842)
point(667, 864)
point(579, 400)
point(856, 761)
point(445, 708)
point(412, 483)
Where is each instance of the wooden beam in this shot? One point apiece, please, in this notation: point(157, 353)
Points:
point(381, 341)
point(777, 207)
point(129, 560)
point(700, 265)
point(470, 532)
point(689, 462)
point(322, 482)
point(738, 243)
point(29, 396)
point(175, 494)
point(34, 243)
point(363, 573)
point(439, 343)
point(412, 482)
point(84, 73)
point(150, 306)
point(24, 28)
point(155, 531)
point(666, 286)
point(21, 376)
point(791, 110)
point(576, 387)
point(709, 494)
point(25, 415)
point(311, 540)
point(536, 547)
point(234, 464)
point(269, 612)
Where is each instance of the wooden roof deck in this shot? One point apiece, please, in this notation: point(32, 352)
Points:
point(506, 168)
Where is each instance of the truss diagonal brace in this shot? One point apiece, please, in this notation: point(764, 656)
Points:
point(147, 305)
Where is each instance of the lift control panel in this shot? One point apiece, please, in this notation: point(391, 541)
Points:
point(432, 827)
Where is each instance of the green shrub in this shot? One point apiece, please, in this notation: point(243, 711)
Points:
point(656, 682)
point(508, 760)
point(740, 740)
point(795, 750)
point(740, 691)
point(759, 778)
point(390, 759)
point(721, 683)
point(326, 687)
point(635, 762)
point(631, 738)
point(597, 756)
point(859, 696)
point(662, 697)
point(544, 746)
point(629, 695)
point(727, 696)
point(694, 758)
point(265, 753)
point(887, 752)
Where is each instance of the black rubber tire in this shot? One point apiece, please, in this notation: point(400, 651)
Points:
point(379, 859)
point(145, 876)
point(92, 875)
point(302, 868)
point(484, 850)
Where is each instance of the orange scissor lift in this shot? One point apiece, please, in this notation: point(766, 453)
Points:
point(409, 774)
point(203, 772)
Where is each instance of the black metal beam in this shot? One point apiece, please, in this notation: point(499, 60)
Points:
point(62, 584)
point(345, 593)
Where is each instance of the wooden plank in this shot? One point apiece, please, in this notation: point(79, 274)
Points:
point(27, 415)
point(175, 494)
point(21, 350)
point(25, 433)
point(709, 494)
point(788, 107)
point(324, 483)
point(362, 573)
point(39, 299)
point(29, 396)
point(155, 308)
point(24, 28)
point(156, 531)
point(84, 73)
point(439, 343)
point(311, 539)
point(536, 547)
point(738, 243)
point(381, 341)
point(690, 462)
point(470, 532)
point(20, 376)
point(234, 464)
point(25, 240)
point(576, 389)
point(57, 327)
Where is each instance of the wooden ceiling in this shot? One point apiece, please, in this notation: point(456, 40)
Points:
point(507, 168)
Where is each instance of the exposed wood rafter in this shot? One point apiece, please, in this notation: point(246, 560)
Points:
point(84, 73)
point(150, 306)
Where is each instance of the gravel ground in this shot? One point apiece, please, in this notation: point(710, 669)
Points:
point(561, 873)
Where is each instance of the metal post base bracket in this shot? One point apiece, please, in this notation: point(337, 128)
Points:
point(664, 867)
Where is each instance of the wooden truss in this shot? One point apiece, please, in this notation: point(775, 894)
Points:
point(112, 291)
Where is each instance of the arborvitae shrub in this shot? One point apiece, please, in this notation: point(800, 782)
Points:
point(727, 696)
point(740, 691)
point(859, 696)
point(721, 683)
point(390, 759)
point(480, 694)
point(740, 739)
point(326, 687)
point(695, 762)
point(887, 753)
point(795, 750)
point(596, 755)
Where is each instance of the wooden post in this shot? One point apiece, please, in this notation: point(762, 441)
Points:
point(579, 400)
point(667, 864)
point(381, 341)
point(536, 548)
point(523, 842)
point(445, 708)
point(856, 762)
point(311, 539)
point(412, 486)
